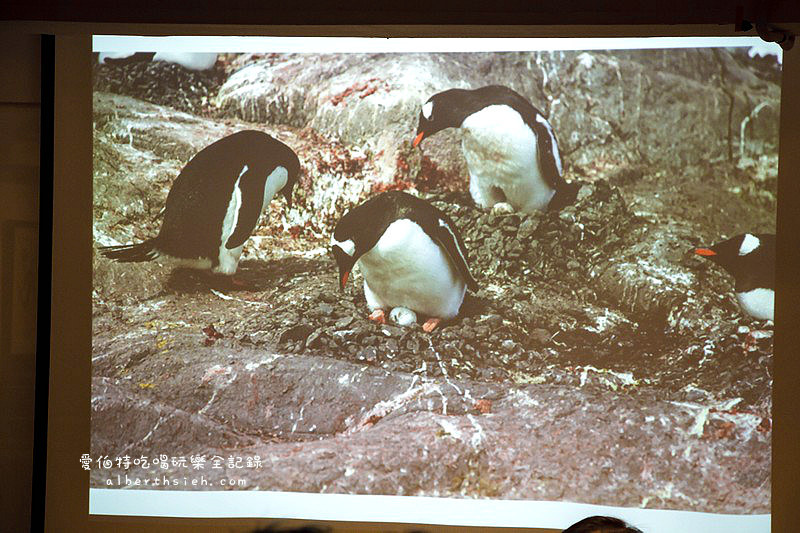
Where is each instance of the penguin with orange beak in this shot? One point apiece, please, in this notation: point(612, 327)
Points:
point(411, 256)
point(750, 259)
point(510, 148)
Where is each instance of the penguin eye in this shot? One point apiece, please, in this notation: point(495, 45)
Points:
point(427, 110)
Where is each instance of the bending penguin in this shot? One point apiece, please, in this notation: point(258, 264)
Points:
point(411, 256)
point(750, 259)
point(510, 148)
point(216, 201)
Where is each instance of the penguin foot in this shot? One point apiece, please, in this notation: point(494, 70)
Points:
point(403, 316)
point(378, 316)
point(431, 324)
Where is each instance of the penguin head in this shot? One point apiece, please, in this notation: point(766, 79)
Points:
point(351, 239)
point(729, 253)
point(442, 110)
point(344, 253)
point(359, 230)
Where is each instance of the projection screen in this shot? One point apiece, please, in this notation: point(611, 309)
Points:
point(613, 201)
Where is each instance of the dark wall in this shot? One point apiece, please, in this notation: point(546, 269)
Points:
point(19, 161)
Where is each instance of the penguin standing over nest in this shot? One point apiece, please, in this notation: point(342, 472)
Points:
point(411, 256)
point(510, 148)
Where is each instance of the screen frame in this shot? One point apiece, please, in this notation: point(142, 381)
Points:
point(70, 329)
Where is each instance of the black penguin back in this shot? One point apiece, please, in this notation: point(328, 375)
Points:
point(199, 198)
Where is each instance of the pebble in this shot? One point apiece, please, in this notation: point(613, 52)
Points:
point(369, 354)
point(493, 321)
point(539, 336)
point(314, 339)
point(343, 322)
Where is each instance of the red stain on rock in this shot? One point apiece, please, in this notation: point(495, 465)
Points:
point(372, 420)
point(212, 333)
point(362, 89)
point(719, 430)
point(396, 185)
point(430, 177)
point(484, 406)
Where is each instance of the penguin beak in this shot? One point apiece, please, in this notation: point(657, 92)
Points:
point(343, 279)
point(345, 263)
point(705, 252)
point(418, 139)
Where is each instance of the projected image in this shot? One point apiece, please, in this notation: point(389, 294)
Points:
point(543, 275)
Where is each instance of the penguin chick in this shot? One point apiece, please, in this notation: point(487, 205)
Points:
point(216, 201)
point(510, 148)
point(750, 259)
point(410, 254)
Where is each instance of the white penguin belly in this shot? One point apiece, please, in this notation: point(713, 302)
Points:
point(229, 258)
point(758, 303)
point(501, 152)
point(406, 268)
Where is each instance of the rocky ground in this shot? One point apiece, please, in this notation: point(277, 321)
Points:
point(599, 362)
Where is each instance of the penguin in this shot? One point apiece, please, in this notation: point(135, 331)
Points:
point(750, 259)
point(216, 201)
point(123, 58)
point(411, 256)
point(188, 60)
point(510, 148)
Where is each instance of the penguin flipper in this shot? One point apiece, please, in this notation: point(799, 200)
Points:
point(252, 190)
point(549, 159)
point(447, 239)
point(546, 153)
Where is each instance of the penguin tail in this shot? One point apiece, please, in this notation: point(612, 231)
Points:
point(564, 196)
point(131, 253)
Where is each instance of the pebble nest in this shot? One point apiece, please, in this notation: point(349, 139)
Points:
point(534, 318)
point(162, 83)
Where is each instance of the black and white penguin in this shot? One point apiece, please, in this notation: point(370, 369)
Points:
point(411, 256)
point(510, 148)
point(216, 201)
point(750, 259)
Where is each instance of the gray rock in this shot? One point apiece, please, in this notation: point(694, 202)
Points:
point(283, 405)
point(343, 322)
point(325, 309)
